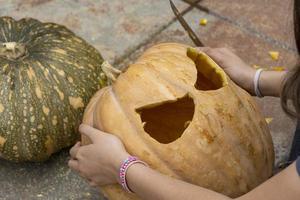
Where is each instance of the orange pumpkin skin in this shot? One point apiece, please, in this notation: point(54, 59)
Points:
point(226, 146)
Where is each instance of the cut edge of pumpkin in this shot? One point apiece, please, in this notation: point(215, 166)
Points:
point(166, 119)
point(209, 68)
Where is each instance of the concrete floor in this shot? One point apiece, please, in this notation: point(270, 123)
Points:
point(122, 30)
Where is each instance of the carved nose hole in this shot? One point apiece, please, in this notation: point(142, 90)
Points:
point(167, 122)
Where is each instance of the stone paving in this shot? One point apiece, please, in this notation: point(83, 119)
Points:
point(122, 30)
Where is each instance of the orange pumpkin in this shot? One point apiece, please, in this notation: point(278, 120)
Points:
point(177, 110)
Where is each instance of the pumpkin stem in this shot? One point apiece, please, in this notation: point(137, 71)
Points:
point(110, 72)
point(12, 50)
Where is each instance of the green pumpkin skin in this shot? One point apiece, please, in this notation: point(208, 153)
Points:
point(47, 76)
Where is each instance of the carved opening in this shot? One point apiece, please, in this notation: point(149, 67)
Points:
point(166, 122)
point(209, 75)
point(203, 83)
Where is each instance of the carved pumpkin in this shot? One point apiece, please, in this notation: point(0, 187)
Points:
point(178, 111)
point(48, 75)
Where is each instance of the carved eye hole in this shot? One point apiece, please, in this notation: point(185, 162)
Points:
point(167, 121)
point(209, 75)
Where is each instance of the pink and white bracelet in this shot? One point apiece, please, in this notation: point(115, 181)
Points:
point(123, 169)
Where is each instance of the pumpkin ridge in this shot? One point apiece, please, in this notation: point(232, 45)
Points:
point(152, 71)
point(64, 134)
point(227, 144)
point(233, 140)
point(10, 134)
point(18, 116)
point(8, 21)
point(163, 47)
point(245, 150)
point(183, 87)
point(256, 129)
point(38, 107)
point(97, 97)
point(249, 116)
point(169, 57)
point(149, 147)
point(164, 76)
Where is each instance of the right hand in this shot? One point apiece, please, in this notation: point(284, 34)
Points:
point(241, 73)
point(100, 161)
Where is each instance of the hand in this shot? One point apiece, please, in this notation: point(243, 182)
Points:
point(241, 73)
point(100, 161)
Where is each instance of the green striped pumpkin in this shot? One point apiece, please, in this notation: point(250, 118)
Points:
point(47, 76)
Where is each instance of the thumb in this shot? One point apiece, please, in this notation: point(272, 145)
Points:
point(92, 133)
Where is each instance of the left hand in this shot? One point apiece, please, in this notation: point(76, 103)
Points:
point(100, 161)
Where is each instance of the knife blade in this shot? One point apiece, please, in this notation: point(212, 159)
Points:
point(185, 25)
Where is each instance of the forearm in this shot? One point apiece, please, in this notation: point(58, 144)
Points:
point(149, 184)
point(270, 83)
point(285, 185)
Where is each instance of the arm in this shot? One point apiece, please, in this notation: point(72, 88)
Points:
point(149, 184)
point(285, 185)
point(270, 82)
point(100, 168)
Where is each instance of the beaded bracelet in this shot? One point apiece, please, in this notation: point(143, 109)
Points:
point(123, 169)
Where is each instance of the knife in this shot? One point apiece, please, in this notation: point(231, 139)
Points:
point(185, 25)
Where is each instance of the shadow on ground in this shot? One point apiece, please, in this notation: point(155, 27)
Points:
point(49, 180)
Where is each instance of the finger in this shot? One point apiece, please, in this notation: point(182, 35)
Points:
point(74, 150)
point(73, 164)
point(226, 49)
point(213, 53)
point(203, 49)
point(91, 132)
